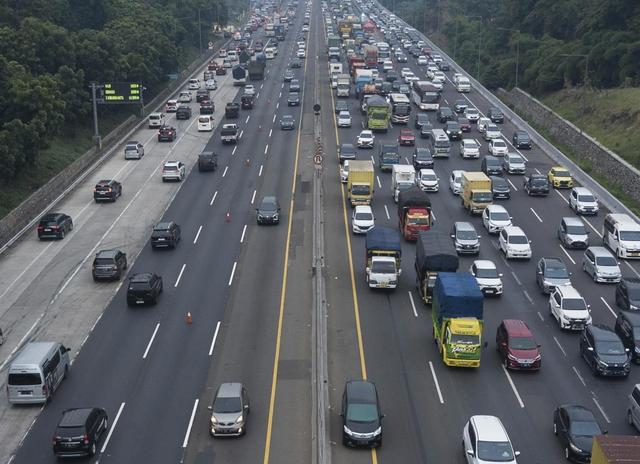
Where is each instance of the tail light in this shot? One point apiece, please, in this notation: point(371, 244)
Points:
point(55, 440)
point(45, 390)
point(85, 439)
point(40, 228)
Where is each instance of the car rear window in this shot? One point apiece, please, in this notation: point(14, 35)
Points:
point(24, 379)
point(70, 431)
point(170, 168)
point(103, 261)
point(138, 286)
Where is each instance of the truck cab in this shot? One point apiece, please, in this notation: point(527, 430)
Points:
point(383, 258)
point(476, 191)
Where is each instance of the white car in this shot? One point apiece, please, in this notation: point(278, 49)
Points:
point(194, 84)
point(410, 77)
point(173, 170)
point(305, 28)
point(222, 53)
point(495, 218)
point(482, 124)
point(469, 149)
point(226, 63)
point(568, 307)
point(171, 106)
point(387, 65)
point(431, 71)
point(423, 61)
point(456, 76)
point(344, 119)
point(437, 84)
point(428, 181)
point(455, 181)
point(485, 440)
point(365, 139)
point(249, 89)
point(498, 147)
point(184, 97)
point(405, 71)
point(583, 201)
point(301, 53)
point(211, 84)
point(514, 243)
point(439, 75)
point(344, 171)
point(492, 132)
point(362, 219)
point(472, 114)
point(487, 275)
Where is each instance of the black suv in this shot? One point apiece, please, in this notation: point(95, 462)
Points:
point(603, 350)
point(268, 212)
point(521, 139)
point(536, 184)
point(183, 112)
point(628, 294)
point(79, 432)
point(491, 166)
point(575, 426)
point(207, 161)
point(445, 114)
point(202, 95)
point(54, 225)
point(421, 119)
point(107, 189)
point(628, 329)
point(109, 264)
point(500, 188)
point(361, 415)
point(144, 288)
point(453, 130)
point(495, 114)
point(165, 234)
point(346, 151)
point(422, 158)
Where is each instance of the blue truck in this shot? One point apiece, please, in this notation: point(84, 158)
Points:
point(383, 257)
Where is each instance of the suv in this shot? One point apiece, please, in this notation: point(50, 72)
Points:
point(514, 243)
point(165, 234)
point(361, 415)
point(465, 238)
point(495, 114)
point(484, 439)
point(536, 184)
point(628, 294)
point(207, 161)
point(568, 307)
point(491, 166)
point(173, 170)
point(516, 345)
point(54, 225)
point(453, 130)
point(422, 158)
point(183, 112)
point(601, 265)
point(156, 120)
point(573, 233)
point(487, 275)
point(133, 150)
point(628, 329)
point(582, 201)
point(107, 189)
point(108, 264)
point(79, 432)
point(633, 413)
point(144, 288)
point(229, 411)
point(521, 139)
point(421, 119)
point(268, 212)
point(495, 218)
point(575, 427)
point(603, 350)
point(445, 114)
point(551, 273)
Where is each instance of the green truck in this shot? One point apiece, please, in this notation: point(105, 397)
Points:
point(378, 113)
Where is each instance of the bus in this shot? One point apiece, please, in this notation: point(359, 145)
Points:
point(440, 143)
point(426, 96)
point(269, 30)
point(400, 108)
point(384, 52)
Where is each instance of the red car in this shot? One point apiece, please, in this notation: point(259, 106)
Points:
point(221, 71)
point(212, 66)
point(167, 134)
point(516, 345)
point(465, 125)
point(406, 137)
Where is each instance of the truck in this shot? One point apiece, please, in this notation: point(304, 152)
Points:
point(378, 113)
point(229, 133)
point(371, 56)
point(344, 85)
point(239, 75)
point(363, 76)
point(414, 212)
point(333, 41)
point(615, 449)
point(232, 110)
point(244, 57)
point(476, 191)
point(457, 316)
point(435, 253)
point(388, 155)
point(256, 70)
point(403, 177)
point(335, 68)
point(384, 252)
point(360, 182)
point(355, 63)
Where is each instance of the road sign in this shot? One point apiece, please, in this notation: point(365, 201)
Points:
point(317, 159)
point(210, 45)
point(119, 92)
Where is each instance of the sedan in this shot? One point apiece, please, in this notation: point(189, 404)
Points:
point(366, 139)
point(287, 122)
point(293, 99)
point(428, 181)
point(346, 151)
point(575, 426)
point(210, 84)
point(492, 132)
point(472, 114)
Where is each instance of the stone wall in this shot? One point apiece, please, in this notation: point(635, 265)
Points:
point(602, 161)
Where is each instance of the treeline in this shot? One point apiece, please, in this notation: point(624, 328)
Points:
point(51, 50)
point(601, 35)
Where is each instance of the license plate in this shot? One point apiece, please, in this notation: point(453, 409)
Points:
point(102, 193)
point(161, 239)
point(47, 230)
point(383, 285)
point(139, 301)
point(25, 392)
point(489, 290)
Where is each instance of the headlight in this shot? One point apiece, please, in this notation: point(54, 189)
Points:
point(214, 420)
point(378, 431)
point(347, 430)
point(373, 282)
point(239, 420)
point(512, 357)
point(601, 363)
point(574, 448)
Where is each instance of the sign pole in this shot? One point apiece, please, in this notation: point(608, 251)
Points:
point(96, 134)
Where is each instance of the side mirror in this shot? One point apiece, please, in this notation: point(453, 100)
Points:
point(453, 236)
point(210, 408)
point(500, 275)
point(69, 349)
point(367, 270)
point(588, 306)
point(539, 345)
point(485, 345)
point(470, 452)
point(517, 453)
point(539, 272)
point(246, 407)
point(503, 343)
point(399, 272)
point(604, 432)
point(589, 348)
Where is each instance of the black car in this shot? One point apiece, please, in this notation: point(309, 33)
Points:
point(445, 114)
point(183, 112)
point(425, 131)
point(421, 119)
point(79, 432)
point(107, 190)
point(604, 352)
point(401, 58)
point(575, 427)
point(287, 122)
point(108, 264)
point(465, 124)
point(491, 166)
point(341, 105)
point(268, 211)
point(293, 99)
point(444, 66)
point(144, 288)
point(361, 415)
point(346, 151)
point(207, 161)
point(422, 158)
point(536, 184)
point(288, 75)
point(165, 234)
point(295, 63)
point(54, 225)
point(495, 114)
point(294, 85)
point(500, 188)
point(460, 105)
point(628, 294)
point(202, 95)
point(392, 76)
point(521, 139)
point(628, 329)
point(453, 130)
point(207, 107)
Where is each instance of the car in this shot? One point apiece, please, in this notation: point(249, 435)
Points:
point(361, 415)
point(483, 123)
point(491, 166)
point(500, 188)
point(421, 120)
point(514, 163)
point(165, 234)
point(551, 273)
point(604, 351)
point(422, 158)
point(133, 150)
point(365, 139)
point(293, 99)
point(628, 294)
point(222, 53)
point(428, 181)
point(453, 130)
point(560, 177)
point(392, 77)
point(229, 410)
point(583, 201)
point(54, 225)
point(340, 106)
point(108, 264)
point(469, 149)
point(516, 346)
point(185, 97)
point(496, 115)
point(513, 242)
point(249, 89)
point(401, 58)
point(575, 426)
point(143, 288)
point(362, 219)
point(344, 119)
point(184, 112)
point(444, 66)
point(521, 139)
point(444, 114)
point(207, 161)
point(406, 137)
point(455, 181)
point(346, 151)
point(405, 71)
point(568, 307)
point(156, 120)
point(487, 275)
point(207, 107)
point(288, 76)
point(79, 431)
point(210, 84)
point(287, 122)
point(222, 70)
point(295, 63)
point(166, 134)
point(628, 329)
point(226, 63)
point(425, 130)
point(107, 190)
point(491, 132)
point(536, 184)
point(344, 171)
point(472, 114)
point(485, 440)
point(498, 147)
point(201, 94)
point(171, 106)
point(495, 218)
point(268, 211)
point(173, 170)
point(301, 53)
point(459, 106)
point(465, 125)
point(423, 61)
point(465, 238)
point(572, 233)
point(601, 265)
point(194, 84)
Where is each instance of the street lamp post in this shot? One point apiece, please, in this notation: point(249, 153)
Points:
point(517, 49)
point(586, 69)
point(479, 42)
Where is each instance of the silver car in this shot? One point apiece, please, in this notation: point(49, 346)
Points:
point(229, 411)
point(465, 238)
point(573, 233)
point(601, 265)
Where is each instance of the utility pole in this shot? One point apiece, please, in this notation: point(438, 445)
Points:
point(517, 49)
point(199, 31)
point(96, 134)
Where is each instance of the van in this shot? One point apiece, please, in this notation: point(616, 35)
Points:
point(205, 122)
point(156, 120)
point(622, 234)
point(232, 55)
point(439, 143)
point(36, 372)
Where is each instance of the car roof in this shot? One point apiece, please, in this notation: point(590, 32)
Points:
point(514, 230)
point(517, 328)
point(107, 253)
point(484, 264)
point(553, 262)
point(132, 142)
point(600, 251)
point(489, 428)
point(632, 281)
point(163, 225)
point(496, 209)
point(568, 291)
point(50, 216)
point(171, 163)
point(463, 225)
point(269, 199)
point(465, 141)
point(361, 390)
point(582, 190)
point(363, 208)
point(632, 316)
point(75, 417)
point(578, 412)
point(229, 390)
point(141, 277)
point(603, 333)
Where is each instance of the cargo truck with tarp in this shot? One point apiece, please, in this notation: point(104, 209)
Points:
point(434, 253)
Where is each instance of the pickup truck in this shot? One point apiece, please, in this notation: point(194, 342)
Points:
point(536, 184)
point(406, 137)
point(229, 133)
point(232, 110)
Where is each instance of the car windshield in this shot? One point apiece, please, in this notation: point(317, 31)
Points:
point(606, 261)
point(487, 273)
point(573, 304)
point(634, 293)
point(364, 216)
point(539, 182)
point(362, 412)
point(518, 240)
point(500, 216)
point(461, 339)
point(557, 272)
point(522, 343)
point(171, 168)
point(360, 189)
point(561, 174)
point(585, 429)
point(495, 451)
point(467, 235)
point(576, 230)
point(515, 159)
point(383, 267)
point(630, 236)
point(610, 347)
point(499, 144)
point(428, 176)
point(347, 150)
point(226, 405)
point(268, 206)
point(586, 198)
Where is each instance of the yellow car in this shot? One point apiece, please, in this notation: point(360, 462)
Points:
point(560, 177)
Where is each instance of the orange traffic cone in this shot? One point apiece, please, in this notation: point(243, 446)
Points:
point(189, 318)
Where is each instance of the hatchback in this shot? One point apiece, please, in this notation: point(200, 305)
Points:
point(79, 431)
point(575, 426)
point(428, 180)
point(361, 415)
point(344, 119)
point(604, 352)
point(484, 439)
point(229, 411)
point(516, 345)
point(601, 265)
point(287, 122)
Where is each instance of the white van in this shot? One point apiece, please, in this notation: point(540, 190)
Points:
point(36, 372)
point(232, 55)
point(463, 84)
point(156, 120)
point(622, 234)
point(205, 123)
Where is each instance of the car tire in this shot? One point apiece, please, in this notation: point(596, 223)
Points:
point(630, 418)
point(61, 234)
